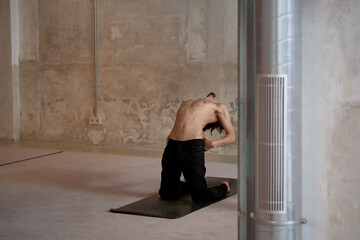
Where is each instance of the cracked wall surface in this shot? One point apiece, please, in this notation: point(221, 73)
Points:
point(152, 55)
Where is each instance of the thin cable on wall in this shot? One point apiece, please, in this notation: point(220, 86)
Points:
point(95, 61)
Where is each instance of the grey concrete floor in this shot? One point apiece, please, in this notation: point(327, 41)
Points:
point(67, 195)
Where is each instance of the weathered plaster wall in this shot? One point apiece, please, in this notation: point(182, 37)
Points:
point(331, 113)
point(6, 95)
point(29, 30)
point(152, 55)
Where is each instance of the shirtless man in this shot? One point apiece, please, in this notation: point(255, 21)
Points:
point(185, 148)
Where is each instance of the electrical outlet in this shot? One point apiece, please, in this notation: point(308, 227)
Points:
point(95, 120)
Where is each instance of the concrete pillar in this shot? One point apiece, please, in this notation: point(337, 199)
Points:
point(14, 26)
point(9, 70)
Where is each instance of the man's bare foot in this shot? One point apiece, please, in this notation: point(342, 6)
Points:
point(227, 184)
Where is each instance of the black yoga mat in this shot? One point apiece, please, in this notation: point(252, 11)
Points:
point(154, 206)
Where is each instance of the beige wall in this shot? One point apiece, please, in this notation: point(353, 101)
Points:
point(331, 114)
point(155, 53)
point(152, 55)
point(6, 94)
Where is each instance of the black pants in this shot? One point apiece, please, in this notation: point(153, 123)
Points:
point(187, 157)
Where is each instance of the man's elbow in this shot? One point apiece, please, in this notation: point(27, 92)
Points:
point(232, 138)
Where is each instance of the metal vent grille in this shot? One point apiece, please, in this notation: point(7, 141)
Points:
point(271, 142)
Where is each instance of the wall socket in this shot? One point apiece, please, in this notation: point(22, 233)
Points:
point(95, 120)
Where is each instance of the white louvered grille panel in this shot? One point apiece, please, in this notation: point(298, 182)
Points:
point(271, 142)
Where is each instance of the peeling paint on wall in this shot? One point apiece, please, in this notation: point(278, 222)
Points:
point(152, 56)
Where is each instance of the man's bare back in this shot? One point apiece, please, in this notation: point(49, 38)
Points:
point(194, 115)
point(191, 118)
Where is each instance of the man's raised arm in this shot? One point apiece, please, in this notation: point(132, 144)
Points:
point(224, 118)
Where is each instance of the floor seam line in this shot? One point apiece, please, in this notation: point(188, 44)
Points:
point(27, 159)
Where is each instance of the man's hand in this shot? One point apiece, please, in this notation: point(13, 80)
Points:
point(208, 144)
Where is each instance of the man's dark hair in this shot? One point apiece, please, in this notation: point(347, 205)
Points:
point(213, 126)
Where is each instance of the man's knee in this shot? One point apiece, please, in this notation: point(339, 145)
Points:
point(167, 194)
point(164, 194)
